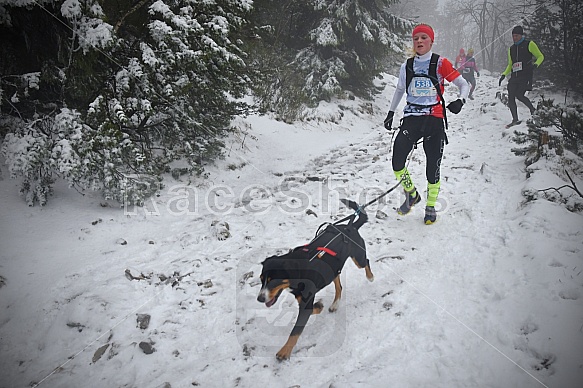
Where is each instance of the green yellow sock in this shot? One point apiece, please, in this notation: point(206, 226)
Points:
point(432, 193)
point(406, 182)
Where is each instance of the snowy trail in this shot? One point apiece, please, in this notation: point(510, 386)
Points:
point(455, 304)
point(410, 297)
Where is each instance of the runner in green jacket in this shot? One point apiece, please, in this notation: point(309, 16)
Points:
point(521, 65)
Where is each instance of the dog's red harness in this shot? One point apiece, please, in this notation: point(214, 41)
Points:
point(321, 250)
point(325, 250)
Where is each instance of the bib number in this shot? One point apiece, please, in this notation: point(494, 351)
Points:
point(422, 87)
point(517, 66)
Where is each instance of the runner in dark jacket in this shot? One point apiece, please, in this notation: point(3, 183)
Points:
point(523, 57)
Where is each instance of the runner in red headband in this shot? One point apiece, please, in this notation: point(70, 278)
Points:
point(422, 78)
point(426, 29)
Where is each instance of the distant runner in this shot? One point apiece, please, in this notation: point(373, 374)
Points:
point(521, 65)
point(468, 67)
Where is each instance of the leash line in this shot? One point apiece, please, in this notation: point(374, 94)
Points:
point(393, 188)
point(362, 207)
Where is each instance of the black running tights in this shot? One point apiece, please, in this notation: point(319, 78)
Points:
point(413, 128)
point(516, 92)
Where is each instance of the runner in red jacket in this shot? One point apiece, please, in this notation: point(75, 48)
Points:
point(460, 58)
point(423, 117)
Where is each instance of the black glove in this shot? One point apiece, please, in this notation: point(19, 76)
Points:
point(389, 120)
point(478, 73)
point(456, 106)
point(501, 78)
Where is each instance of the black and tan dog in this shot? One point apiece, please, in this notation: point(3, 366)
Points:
point(307, 269)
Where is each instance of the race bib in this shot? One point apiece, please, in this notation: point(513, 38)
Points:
point(422, 87)
point(517, 66)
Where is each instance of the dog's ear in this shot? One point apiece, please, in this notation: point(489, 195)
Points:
point(269, 258)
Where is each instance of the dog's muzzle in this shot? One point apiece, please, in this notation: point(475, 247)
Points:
point(262, 297)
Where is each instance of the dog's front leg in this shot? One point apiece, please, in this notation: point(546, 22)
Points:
point(364, 263)
point(306, 309)
point(369, 274)
point(337, 294)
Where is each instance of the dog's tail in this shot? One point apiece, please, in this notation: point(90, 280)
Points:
point(362, 216)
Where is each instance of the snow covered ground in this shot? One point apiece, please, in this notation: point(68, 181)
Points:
point(165, 296)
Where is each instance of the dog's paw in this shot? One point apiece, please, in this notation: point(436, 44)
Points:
point(369, 274)
point(283, 354)
point(318, 307)
point(220, 230)
point(333, 307)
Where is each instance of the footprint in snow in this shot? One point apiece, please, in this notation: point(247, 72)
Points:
point(220, 230)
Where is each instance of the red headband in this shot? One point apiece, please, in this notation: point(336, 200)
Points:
point(426, 29)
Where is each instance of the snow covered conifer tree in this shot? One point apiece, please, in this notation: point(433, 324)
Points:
point(553, 126)
point(153, 85)
point(349, 46)
point(171, 100)
point(322, 48)
point(556, 28)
